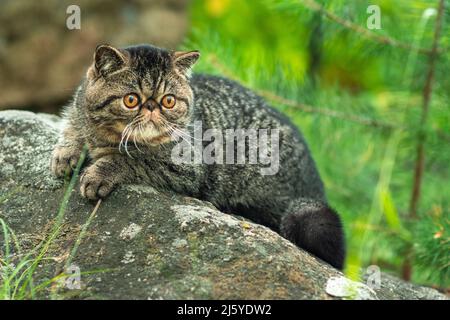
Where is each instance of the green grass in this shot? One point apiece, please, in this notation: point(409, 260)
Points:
point(18, 269)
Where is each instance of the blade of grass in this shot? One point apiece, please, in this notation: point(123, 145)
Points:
point(82, 233)
point(59, 218)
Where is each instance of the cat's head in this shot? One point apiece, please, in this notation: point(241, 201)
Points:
point(140, 93)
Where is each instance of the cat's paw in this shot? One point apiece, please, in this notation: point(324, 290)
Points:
point(64, 160)
point(94, 185)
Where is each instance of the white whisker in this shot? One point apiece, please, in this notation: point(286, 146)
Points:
point(134, 141)
point(126, 144)
point(126, 133)
point(178, 132)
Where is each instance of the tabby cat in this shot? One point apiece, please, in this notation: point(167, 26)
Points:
point(136, 104)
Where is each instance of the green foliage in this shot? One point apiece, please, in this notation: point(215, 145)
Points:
point(270, 46)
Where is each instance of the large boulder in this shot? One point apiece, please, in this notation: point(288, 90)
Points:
point(144, 244)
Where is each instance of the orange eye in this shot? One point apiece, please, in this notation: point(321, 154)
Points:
point(131, 100)
point(168, 101)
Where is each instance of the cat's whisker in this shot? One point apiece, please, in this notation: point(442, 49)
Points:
point(141, 129)
point(183, 135)
point(174, 133)
point(178, 135)
point(126, 144)
point(135, 144)
point(180, 131)
point(167, 124)
point(141, 132)
point(123, 136)
point(127, 131)
point(136, 122)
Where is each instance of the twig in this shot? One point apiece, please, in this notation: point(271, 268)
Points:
point(313, 5)
point(318, 110)
point(304, 107)
point(327, 112)
point(427, 91)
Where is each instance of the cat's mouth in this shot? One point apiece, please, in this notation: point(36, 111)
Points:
point(153, 133)
point(147, 133)
point(147, 129)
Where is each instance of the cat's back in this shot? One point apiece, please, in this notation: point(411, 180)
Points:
point(216, 88)
point(224, 103)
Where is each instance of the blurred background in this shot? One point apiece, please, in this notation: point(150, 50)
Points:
point(373, 103)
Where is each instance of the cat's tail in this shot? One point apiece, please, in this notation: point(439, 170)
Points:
point(317, 228)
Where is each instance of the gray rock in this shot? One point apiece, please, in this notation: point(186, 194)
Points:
point(143, 244)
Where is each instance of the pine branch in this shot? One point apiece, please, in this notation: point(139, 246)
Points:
point(305, 107)
point(362, 120)
point(313, 5)
point(327, 112)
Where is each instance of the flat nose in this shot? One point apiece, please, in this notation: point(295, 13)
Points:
point(151, 104)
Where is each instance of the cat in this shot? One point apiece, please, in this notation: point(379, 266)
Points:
point(136, 104)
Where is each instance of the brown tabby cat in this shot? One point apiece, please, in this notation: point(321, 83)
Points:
point(135, 103)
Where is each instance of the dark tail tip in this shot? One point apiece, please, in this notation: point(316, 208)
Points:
point(316, 228)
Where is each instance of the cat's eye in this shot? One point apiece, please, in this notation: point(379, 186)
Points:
point(131, 100)
point(168, 101)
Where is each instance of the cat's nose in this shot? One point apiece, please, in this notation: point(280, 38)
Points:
point(151, 105)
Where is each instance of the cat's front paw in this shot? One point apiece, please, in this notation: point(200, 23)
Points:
point(94, 185)
point(64, 160)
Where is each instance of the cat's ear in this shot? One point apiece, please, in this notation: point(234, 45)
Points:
point(184, 60)
point(108, 59)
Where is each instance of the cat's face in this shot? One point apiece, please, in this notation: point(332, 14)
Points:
point(139, 94)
